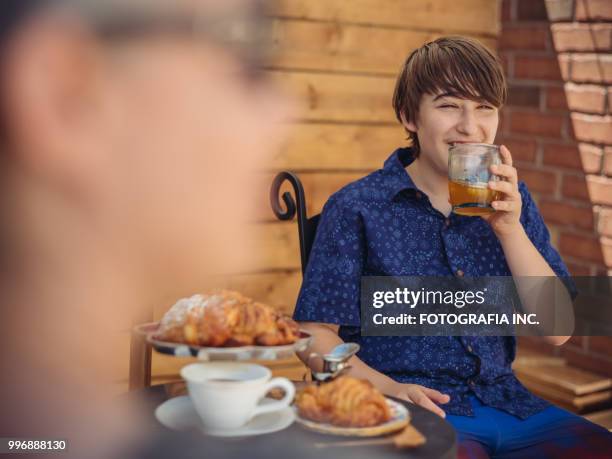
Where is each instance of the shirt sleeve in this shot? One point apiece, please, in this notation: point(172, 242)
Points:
point(330, 291)
point(540, 237)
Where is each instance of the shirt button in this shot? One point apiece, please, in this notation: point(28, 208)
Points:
point(471, 383)
point(469, 348)
point(459, 273)
point(418, 194)
point(447, 222)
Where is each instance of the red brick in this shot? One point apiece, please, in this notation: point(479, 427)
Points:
point(560, 10)
point(564, 65)
point(536, 344)
point(574, 187)
point(591, 157)
point(581, 359)
point(506, 63)
point(604, 222)
point(576, 269)
point(563, 155)
point(504, 122)
point(537, 180)
point(531, 10)
point(506, 11)
point(555, 98)
point(606, 247)
point(581, 246)
point(561, 213)
point(523, 96)
point(582, 157)
point(576, 341)
point(581, 37)
point(520, 149)
point(586, 98)
point(531, 36)
point(595, 68)
point(592, 128)
point(600, 189)
point(600, 344)
point(593, 9)
point(607, 167)
point(535, 123)
point(537, 68)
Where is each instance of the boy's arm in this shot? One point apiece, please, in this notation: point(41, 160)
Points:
point(325, 338)
point(552, 305)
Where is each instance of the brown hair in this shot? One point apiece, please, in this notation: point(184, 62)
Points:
point(461, 66)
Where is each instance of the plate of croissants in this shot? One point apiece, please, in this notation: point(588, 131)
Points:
point(349, 406)
point(225, 325)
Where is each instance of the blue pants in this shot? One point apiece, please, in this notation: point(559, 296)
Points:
point(551, 433)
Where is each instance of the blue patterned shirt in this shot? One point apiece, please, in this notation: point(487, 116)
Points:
point(382, 225)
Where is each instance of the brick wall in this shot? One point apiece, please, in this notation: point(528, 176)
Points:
point(558, 125)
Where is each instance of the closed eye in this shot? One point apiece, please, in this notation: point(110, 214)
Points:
point(447, 106)
point(485, 107)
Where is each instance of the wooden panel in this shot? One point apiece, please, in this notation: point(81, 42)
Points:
point(331, 46)
point(337, 97)
point(338, 146)
point(278, 247)
point(567, 400)
point(339, 47)
point(469, 16)
point(603, 418)
point(565, 378)
point(529, 357)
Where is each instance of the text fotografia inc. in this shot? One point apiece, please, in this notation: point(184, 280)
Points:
point(456, 319)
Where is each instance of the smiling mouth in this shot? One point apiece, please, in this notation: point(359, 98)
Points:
point(462, 141)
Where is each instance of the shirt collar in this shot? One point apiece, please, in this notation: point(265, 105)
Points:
point(394, 170)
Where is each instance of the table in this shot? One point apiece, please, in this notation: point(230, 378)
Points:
point(295, 442)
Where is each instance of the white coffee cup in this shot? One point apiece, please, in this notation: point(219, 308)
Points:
point(226, 395)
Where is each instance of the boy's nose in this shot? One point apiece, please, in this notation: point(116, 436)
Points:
point(467, 124)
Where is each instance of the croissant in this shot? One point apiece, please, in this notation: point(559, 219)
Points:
point(226, 318)
point(345, 401)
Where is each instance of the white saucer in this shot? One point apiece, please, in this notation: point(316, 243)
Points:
point(179, 414)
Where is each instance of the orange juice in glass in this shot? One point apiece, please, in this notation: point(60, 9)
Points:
point(469, 175)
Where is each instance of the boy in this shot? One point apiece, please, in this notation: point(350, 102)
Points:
point(397, 221)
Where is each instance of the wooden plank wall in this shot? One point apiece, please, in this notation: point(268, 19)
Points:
point(339, 59)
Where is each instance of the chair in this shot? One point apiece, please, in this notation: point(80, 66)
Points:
point(307, 227)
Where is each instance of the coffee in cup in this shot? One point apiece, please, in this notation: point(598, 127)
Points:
point(227, 395)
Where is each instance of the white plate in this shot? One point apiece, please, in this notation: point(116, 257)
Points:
point(240, 353)
point(400, 417)
point(178, 413)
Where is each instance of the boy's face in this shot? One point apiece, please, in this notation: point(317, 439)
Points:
point(444, 119)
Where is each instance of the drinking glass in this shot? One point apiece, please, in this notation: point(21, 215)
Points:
point(469, 175)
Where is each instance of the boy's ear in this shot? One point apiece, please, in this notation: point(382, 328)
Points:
point(410, 125)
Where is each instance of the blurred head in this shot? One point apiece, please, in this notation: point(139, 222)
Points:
point(137, 123)
point(449, 90)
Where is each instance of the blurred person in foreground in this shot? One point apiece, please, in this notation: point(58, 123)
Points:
point(127, 135)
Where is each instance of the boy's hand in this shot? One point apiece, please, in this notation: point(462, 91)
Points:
point(422, 396)
point(506, 218)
